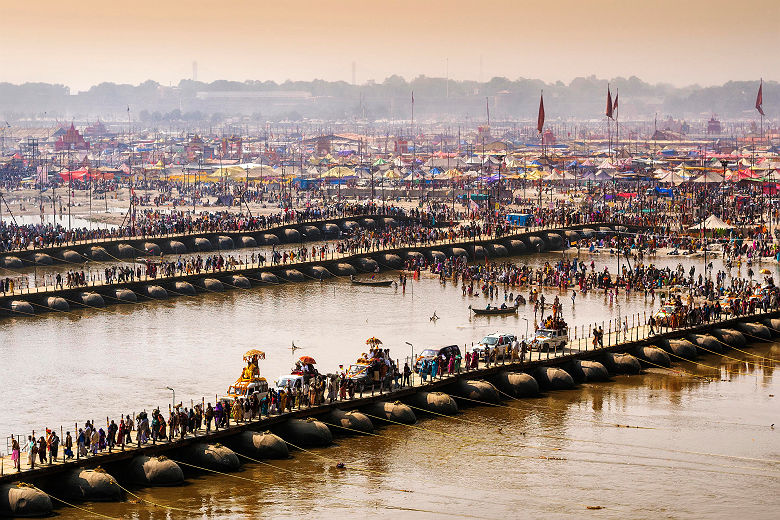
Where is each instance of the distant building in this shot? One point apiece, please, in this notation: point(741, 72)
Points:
point(71, 140)
point(548, 137)
point(713, 126)
point(677, 127)
point(667, 135)
point(96, 130)
point(197, 147)
point(232, 147)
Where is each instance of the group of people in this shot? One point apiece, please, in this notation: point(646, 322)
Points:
point(153, 223)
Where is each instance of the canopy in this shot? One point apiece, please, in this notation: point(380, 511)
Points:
point(233, 172)
point(339, 172)
point(373, 340)
point(308, 360)
point(252, 353)
point(712, 222)
point(73, 175)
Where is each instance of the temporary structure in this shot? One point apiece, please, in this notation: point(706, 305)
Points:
point(708, 177)
point(712, 222)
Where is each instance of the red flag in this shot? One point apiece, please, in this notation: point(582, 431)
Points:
point(609, 103)
point(540, 120)
point(615, 104)
point(760, 98)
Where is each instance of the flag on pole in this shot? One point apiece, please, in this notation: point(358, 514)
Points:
point(412, 97)
point(615, 104)
point(609, 103)
point(540, 119)
point(760, 98)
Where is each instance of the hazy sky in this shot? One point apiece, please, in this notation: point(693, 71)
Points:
point(85, 42)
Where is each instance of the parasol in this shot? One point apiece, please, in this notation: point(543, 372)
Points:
point(254, 352)
point(308, 360)
point(373, 341)
point(765, 271)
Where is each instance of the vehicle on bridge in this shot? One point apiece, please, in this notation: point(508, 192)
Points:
point(497, 342)
point(547, 339)
point(250, 383)
point(299, 375)
point(435, 352)
point(519, 219)
point(671, 315)
point(374, 368)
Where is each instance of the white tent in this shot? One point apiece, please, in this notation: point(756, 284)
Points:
point(708, 177)
point(606, 165)
point(673, 178)
point(712, 222)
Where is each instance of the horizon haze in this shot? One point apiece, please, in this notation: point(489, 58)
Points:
point(679, 43)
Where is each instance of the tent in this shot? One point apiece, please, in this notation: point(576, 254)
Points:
point(338, 172)
point(76, 175)
point(452, 173)
point(606, 165)
point(711, 222)
point(673, 178)
point(708, 177)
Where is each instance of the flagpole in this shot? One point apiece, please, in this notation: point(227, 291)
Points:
point(540, 128)
point(609, 127)
point(762, 114)
point(617, 124)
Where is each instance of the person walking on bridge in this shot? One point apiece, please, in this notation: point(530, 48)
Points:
point(15, 454)
point(208, 415)
point(31, 447)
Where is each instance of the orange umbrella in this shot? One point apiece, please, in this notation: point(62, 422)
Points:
point(308, 360)
point(373, 341)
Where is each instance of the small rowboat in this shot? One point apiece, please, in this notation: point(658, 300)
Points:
point(494, 311)
point(372, 283)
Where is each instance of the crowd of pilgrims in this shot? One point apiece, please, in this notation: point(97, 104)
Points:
point(151, 223)
point(491, 279)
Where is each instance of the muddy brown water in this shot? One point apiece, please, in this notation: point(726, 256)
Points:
point(696, 448)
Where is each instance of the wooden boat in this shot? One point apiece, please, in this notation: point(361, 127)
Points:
point(372, 283)
point(494, 311)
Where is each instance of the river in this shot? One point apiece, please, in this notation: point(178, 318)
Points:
point(553, 456)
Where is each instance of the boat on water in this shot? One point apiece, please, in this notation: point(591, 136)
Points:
point(371, 283)
point(494, 311)
point(249, 383)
